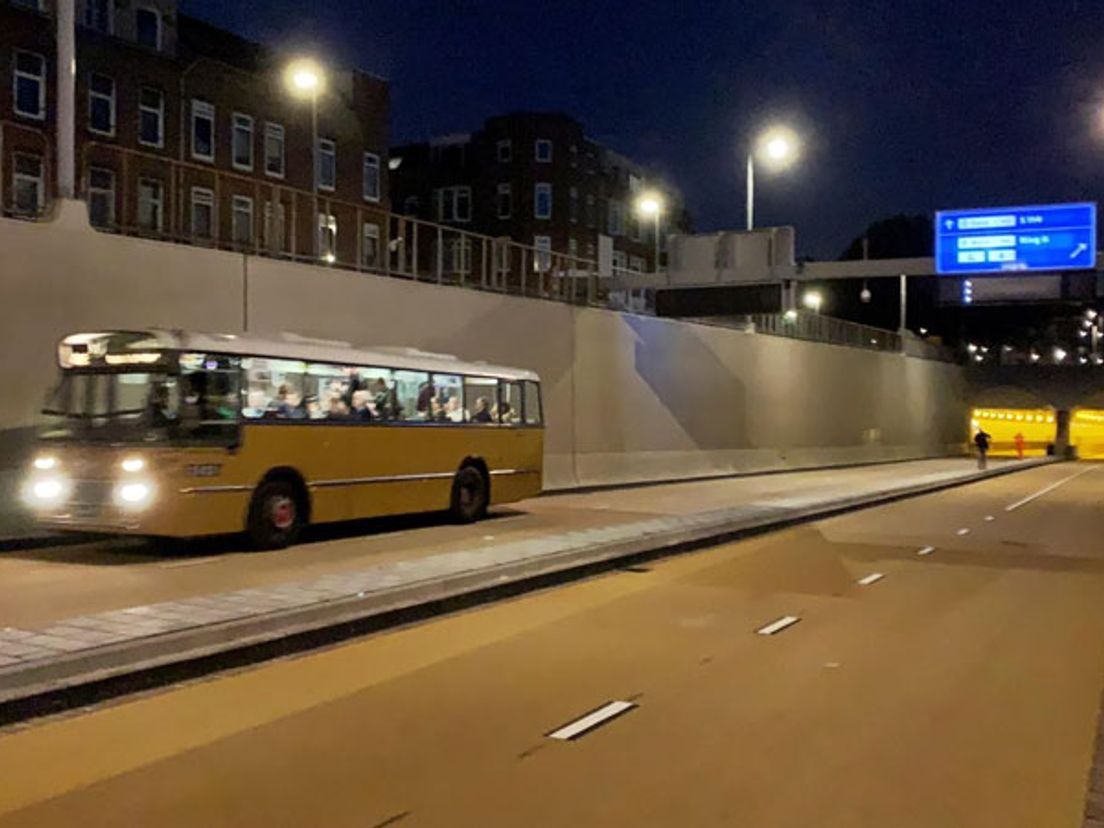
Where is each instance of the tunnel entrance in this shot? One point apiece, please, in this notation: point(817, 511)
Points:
point(1037, 426)
point(1087, 433)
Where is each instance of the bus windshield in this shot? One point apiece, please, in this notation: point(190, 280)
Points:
point(122, 407)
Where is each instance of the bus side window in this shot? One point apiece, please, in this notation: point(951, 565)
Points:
point(273, 389)
point(532, 403)
point(509, 403)
point(480, 399)
point(448, 403)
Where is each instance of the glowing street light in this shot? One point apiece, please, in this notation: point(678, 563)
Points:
point(813, 300)
point(777, 148)
point(1059, 355)
point(650, 205)
point(305, 79)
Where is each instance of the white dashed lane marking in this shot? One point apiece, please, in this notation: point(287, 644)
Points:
point(872, 578)
point(927, 550)
point(962, 532)
point(779, 625)
point(604, 714)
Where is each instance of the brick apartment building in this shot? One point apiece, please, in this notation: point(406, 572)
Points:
point(186, 131)
point(538, 180)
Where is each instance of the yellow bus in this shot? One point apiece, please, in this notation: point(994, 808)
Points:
point(182, 434)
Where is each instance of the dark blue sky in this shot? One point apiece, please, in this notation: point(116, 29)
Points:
point(906, 105)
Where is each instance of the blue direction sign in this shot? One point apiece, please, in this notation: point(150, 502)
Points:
point(1048, 237)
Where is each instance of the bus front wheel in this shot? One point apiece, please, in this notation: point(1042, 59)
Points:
point(275, 515)
point(469, 495)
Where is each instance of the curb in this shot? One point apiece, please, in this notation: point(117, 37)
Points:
point(102, 673)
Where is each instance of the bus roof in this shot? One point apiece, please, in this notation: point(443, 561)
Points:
point(290, 346)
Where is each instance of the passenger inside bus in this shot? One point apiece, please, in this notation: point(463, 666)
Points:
point(482, 413)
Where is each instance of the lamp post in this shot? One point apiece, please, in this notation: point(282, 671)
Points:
point(777, 148)
point(305, 78)
point(651, 204)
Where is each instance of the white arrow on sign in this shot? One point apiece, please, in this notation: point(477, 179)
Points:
point(1077, 251)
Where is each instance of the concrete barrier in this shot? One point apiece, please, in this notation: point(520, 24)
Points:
point(627, 398)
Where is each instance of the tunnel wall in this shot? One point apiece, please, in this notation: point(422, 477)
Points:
point(627, 398)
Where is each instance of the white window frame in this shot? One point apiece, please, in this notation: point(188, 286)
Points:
point(327, 229)
point(620, 261)
point(504, 151)
point(205, 197)
point(591, 212)
point(203, 110)
point(275, 131)
point(616, 218)
point(538, 188)
point(326, 146)
point(93, 96)
point(159, 112)
point(240, 204)
point(636, 264)
point(370, 231)
point(240, 122)
point(573, 205)
point(160, 39)
point(39, 182)
point(160, 202)
point(108, 194)
point(504, 189)
point(539, 145)
point(542, 256)
point(18, 74)
point(372, 168)
point(88, 22)
point(450, 197)
point(275, 218)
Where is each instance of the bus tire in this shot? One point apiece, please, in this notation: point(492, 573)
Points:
point(276, 515)
point(469, 495)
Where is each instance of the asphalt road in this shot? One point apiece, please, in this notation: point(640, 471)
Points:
point(960, 689)
point(42, 585)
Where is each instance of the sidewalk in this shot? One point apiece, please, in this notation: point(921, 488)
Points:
point(69, 652)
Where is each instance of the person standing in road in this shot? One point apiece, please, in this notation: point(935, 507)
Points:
point(981, 440)
point(1019, 441)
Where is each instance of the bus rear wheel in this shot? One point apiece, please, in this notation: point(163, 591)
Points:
point(275, 515)
point(469, 495)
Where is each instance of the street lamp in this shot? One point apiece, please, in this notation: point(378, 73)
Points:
point(305, 79)
point(650, 204)
point(777, 148)
point(813, 301)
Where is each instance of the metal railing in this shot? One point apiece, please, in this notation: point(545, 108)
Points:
point(812, 327)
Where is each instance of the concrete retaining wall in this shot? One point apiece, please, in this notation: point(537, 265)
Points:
point(628, 398)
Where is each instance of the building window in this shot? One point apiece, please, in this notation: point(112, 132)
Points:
point(591, 212)
point(203, 213)
point(636, 184)
point(454, 204)
point(101, 104)
point(242, 142)
point(573, 248)
point(620, 261)
point(505, 151)
point(573, 154)
point(327, 238)
point(371, 177)
point(636, 264)
point(573, 205)
point(505, 201)
point(542, 259)
point(370, 250)
point(99, 14)
point(411, 205)
point(147, 28)
point(33, 5)
point(28, 184)
point(275, 228)
point(616, 224)
point(101, 197)
point(151, 117)
point(460, 255)
point(542, 201)
point(203, 130)
point(150, 201)
point(327, 164)
point(29, 82)
point(241, 220)
point(274, 150)
point(543, 151)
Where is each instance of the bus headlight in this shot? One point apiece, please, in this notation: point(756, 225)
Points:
point(133, 464)
point(134, 494)
point(45, 463)
point(45, 491)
